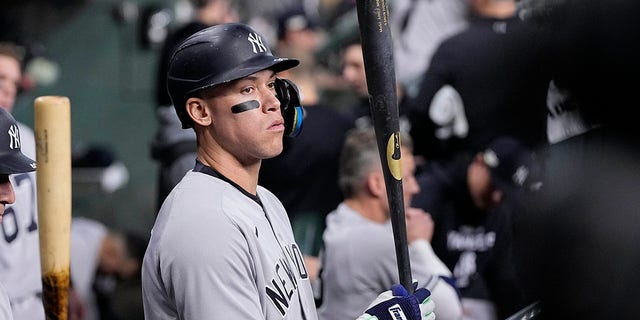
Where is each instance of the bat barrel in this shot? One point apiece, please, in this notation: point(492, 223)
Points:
point(377, 48)
point(52, 124)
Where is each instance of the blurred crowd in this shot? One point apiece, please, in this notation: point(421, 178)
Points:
point(521, 183)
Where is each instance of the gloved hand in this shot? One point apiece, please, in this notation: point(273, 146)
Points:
point(398, 304)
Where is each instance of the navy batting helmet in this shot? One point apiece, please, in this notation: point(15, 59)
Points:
point(11, 158)
point(216, 55)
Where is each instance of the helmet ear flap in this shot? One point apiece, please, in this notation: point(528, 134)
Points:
point(290, 106)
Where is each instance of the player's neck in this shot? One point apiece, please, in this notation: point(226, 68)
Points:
point(368, 208)
point(246, 176)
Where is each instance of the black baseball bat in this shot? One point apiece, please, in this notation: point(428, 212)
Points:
point(377, 48)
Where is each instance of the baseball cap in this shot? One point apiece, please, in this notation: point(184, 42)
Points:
point(12, 160)
point(513, 166)
point(295, 19)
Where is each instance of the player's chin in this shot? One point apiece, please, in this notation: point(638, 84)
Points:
point(274, 151)
point(271, 147)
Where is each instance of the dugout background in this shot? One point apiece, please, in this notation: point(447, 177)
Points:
point(108, 71)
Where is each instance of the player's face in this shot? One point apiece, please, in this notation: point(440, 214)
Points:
point(10, 75)
point(482, 190)
point(7, 196)
point(410, 186)
point(353, 69)
point(247, 121)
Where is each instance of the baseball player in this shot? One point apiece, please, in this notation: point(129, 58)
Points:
point(472, 202)
point(349, 280)
point(466, 100)
point(101, 256)
point(173, 148)
point(12, 162)
point(19, 245)
point(222, 246)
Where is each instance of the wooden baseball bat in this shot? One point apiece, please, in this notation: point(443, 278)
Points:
point(52, 125)
point(377, 48)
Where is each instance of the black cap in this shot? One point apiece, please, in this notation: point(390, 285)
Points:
point(11, 158)
point(215, 55)
point(513, 166)
point(295, 19)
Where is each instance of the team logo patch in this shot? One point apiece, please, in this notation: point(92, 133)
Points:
point(14, 135)
point(256, 43)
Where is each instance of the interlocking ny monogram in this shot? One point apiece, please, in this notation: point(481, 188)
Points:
point(256, 43)
point(14, 134)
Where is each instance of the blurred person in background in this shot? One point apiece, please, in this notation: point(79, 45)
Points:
point(418, 28)
point(100, 257)
point(488, 80)
point(173, 148)
point(472, 202)
point(358, 259)
point(354, 74)
point(577, 239)
point(20, 246)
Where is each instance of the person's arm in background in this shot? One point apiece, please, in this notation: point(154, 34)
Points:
point(436, 108)
point(428, 268)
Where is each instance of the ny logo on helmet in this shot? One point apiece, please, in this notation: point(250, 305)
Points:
point(256, 43)
point(14, 136)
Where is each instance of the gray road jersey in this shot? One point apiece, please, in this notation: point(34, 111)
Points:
point(5, 306)
point(19, 242)
point(214, 253)
point(359, 262)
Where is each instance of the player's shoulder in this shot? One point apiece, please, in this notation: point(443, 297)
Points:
point(266, 194)
point(85, 228)
point(346, 227)
point(190, 218)
point(87, 223)
point(197, 184)
point(199, 200)
point(272, 204)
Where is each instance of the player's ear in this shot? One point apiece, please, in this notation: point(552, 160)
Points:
point(375, 184)
point(198, 111)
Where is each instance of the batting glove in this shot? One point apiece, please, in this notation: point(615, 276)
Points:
point(398, 304)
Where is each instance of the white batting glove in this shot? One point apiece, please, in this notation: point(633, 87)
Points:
point(398, 304)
